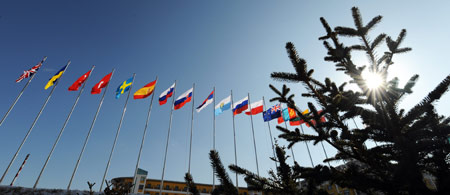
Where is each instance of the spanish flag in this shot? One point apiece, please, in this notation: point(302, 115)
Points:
point(55, 78)
point(145, 91)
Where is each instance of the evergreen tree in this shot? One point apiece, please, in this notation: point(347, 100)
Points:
point(192, 188)
point(411, 144)
point(226, 185)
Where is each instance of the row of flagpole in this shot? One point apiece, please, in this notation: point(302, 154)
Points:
point(32, 125)
point(144, 133)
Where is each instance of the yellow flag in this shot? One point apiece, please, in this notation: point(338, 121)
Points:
point(54, 78)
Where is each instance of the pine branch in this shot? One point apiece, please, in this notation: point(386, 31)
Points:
point(226, 185)
point(434, 95)
point(191, 185)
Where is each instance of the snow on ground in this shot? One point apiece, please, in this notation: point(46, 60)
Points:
point(14, 190)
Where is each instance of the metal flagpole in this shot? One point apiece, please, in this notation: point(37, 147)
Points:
point(145, 132)
point(21, 92)
point(358, 128)
point(270, 132)
point(253, 133)
point(62, 129)
point(20, 169)
point(190, 142)
point(214, 132)
point(89, 133)
point(32, 125)
point(292, 149)
point(285, 125)
point(234, 136)
point(307, 147)
point(192, 126)
point(117, 134)
point(167, 141)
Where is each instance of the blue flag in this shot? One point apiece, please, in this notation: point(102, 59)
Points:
point(285, 114)
point(124, 87)
point(272, 113)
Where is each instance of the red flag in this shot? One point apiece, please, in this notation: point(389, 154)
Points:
point(322, 120)
point(280, 120)
point(29, 73)
point(79, 82)
point(103, 83)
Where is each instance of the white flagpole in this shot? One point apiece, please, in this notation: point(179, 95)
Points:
point(192, 126)
point(167, 141)
point(32, 125)
point(270, 132)
point(62, 129)
point(190, 142)
point(214, 132)
point(307, 147)
point(234, 136)
point(117, 134)
point(143, 135)
point(292, 148)
point(21, 92)
point(285, 125)
point(89, 133)
point(253, 133)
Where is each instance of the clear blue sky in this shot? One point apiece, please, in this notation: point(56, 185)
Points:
point(232, 45)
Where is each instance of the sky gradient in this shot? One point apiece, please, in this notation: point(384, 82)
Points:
point(229, 45)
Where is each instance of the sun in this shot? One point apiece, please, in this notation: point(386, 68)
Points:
point(373, 80)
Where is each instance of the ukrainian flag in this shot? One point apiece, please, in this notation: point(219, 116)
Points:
point(124, 87)
point(55, 78)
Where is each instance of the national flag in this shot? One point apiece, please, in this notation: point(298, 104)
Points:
point(55, 77)
point(166, 95)
point(29, 73)
point(183, 99)
point(207, 101)
point(223, 105)
point(272, 113)
point(79, 82)
point(100, 85)
point(322, 119)
point(294, 119)
point(124, 87)
point(240, 106)
point(256, 107)
point(145, 91)
point(284, 116)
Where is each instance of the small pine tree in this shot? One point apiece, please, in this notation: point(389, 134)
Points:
point(412, 143)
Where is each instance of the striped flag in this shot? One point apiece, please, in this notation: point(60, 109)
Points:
point(29, 73)
point(207, 101)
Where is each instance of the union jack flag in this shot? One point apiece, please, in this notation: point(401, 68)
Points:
point(29, 73)
point(276, 108)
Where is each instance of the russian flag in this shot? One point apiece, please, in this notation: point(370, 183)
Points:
point(166, 95)
point(183, 99)
point(256, 108)
point(205, 103)
point(240, 106)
